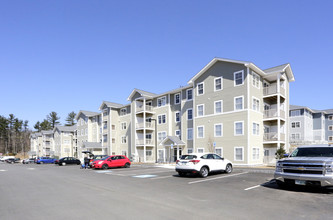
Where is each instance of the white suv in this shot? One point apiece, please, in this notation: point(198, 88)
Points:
point(202, 164)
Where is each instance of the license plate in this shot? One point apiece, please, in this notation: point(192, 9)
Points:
point(300, 182)
point(184, 163)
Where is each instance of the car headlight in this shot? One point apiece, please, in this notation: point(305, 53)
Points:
point(278, 167)
point(100, 162)
point(329, 168)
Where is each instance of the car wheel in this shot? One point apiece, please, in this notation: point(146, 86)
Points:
point(127, 165)
point(181, 174)
point(281, 184)
point(105, 166)
point(228, 168)
point(204, 172)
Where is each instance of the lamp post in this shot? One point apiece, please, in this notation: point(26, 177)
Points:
point(153, 119)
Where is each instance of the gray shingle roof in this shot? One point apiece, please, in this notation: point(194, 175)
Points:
point(276, 68)
point(66, 128)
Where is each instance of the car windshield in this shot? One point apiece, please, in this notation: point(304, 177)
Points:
point(188, 157)
point(313, 152)
point(104, 158)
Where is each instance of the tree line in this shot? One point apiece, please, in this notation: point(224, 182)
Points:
point(15, 133)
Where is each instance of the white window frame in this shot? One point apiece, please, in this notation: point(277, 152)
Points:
point(123, 139)
point(235, 128)
point(255, 153)
point(187, 133)
point(294, 124)
point(160, 135)
point(255, 128)
point(235, 108)
point(176, 117)
point(188, 114)
point(235, 157)
point(178, 135)
point(123, 111)
point(330, 138)
point(217, 78)
point(203, 110)
point(190, 150)
point(176, 103)
point(221, 101)
point(255, 79)
point(203, 131)
point(219, 148)
point(163, 103)
point(330, 117)
point(219, 124)
point(158, 119)
point(330, 127)
point(295, 113)
point(187, 94)
point(235, 73)
point(201, 149)
point(123, 125)
point(255, 107)
point(203, 88)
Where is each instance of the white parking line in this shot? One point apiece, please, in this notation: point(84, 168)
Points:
point(161, 177)
point(205, 180)
point(253, 187)
point(3, 170)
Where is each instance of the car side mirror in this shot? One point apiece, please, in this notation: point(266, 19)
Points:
point(222, 158)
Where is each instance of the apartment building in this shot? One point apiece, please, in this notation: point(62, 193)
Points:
point(65, 141)
point(308, 126)
point(42, 144)
point(230, 107)
point(36, 142)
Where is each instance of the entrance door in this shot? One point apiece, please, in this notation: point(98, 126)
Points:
point(175, 153)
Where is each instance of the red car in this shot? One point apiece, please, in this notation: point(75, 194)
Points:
point(112, 161)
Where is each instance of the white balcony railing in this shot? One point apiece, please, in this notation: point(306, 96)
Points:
point(273, 136)
point(273, 89)
point(141, 142)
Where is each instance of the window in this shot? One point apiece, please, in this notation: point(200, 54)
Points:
point(161, 101)
point(330, 128)
point(330, 117)
point(123, 140)
point(177, 116)
point(239, 153)
point(218, 130)
point(239, 128)
point(105, 138)
point(218, 107)
point(161, 119)
point(296, 124)
point(177, 133)
point(330, 138)
point(86, 131)
point(218, 84)
point(123, 152)
point(200, 88)
point(113, 140)
point(200, 132)
point(219, 151)
point(189, 94)
point(239, 78)
point(189, 114)
point(190, 134)
point(255, 80)
point(239, 103)
point(113, 127)
point(105, 112)
point(149, 153)
point(255, 128)
point(161, 135)
point(105, 125)
point(255, 153)
point(201, 150)
point(295, 113)
point(123, 126)
point(177, 98)
point(255, 104)
point(296, 136)
point(200, 110)
point(123, 111)
point(78, 133)
point(190, 150)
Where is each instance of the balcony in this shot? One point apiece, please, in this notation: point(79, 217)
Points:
point(140, 142)
point(273, 113)
point(273, 90)
point(147, 125)
point(273, 136)
point(140, 108)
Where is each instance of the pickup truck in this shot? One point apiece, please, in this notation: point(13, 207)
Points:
point(42, 160)
point(308, 166)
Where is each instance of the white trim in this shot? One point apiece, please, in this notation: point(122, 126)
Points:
point(259, 106)
point(255, 74)
point(294, 122)
point(254, 122)
point(216, 78)
point(221, 151)
point(203, 88)
point(235, 153)
point(180, 134)
point(254, 159)
point(221, 107)
point(235, 128)
point(203, 131)
point(161, 119)
point(242, 72)
point(221, 129)
point(190, 149)
point(203, 110)
point(163, 97)
point(187, 134)
point(235, 103)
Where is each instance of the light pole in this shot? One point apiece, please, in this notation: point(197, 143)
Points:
point(153, 119)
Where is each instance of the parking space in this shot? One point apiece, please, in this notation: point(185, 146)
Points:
point(150, 192)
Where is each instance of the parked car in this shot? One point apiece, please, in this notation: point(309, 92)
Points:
point(28, 160)
point(13, 160)
point(4, 158)
point(112, 161)
point(42, 160)
point(96, 157)
point(202, 164)
point(68, 160)
point(306, 166)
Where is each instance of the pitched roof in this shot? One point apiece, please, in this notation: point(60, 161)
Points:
point(142, 93)
point(65, 128)
point(174, 139)
point(86, 113)
point(110, 105)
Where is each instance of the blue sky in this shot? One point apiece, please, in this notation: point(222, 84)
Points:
point(71, 55)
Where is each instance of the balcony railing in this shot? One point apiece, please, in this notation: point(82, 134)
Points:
point(273, 113)
point(141, 142)
point(273, 136)
point(141, 108)
point(273, 89)
point(141, 125)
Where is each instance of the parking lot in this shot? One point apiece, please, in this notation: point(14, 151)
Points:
point(151, 192)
